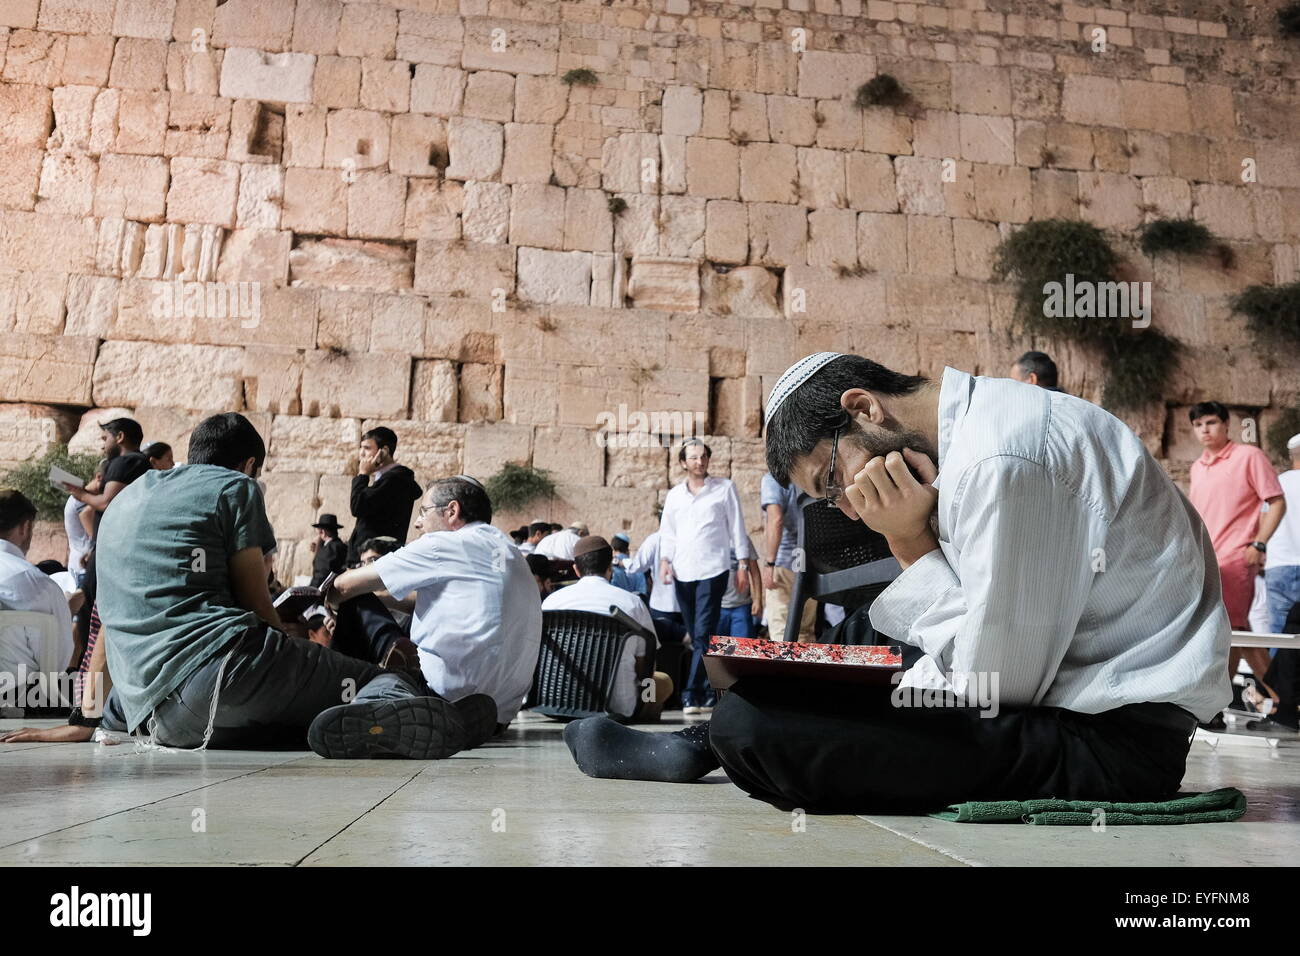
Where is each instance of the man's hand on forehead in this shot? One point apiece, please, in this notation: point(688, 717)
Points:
point(889, 499)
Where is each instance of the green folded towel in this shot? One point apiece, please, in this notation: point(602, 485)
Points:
point(1214, 806)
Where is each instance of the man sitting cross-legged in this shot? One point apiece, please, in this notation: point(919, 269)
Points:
point(476, 615)
point(199, 656)
point(593, 558)
point(1065, 581)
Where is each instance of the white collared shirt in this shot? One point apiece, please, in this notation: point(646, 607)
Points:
point(663, 597)
point(478, 616)
point(592, 592)
point(23, 587)
point(380, 472)
point(1069, 564)
point(698, 532)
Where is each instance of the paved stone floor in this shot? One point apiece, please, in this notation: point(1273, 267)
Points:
point(521, 800)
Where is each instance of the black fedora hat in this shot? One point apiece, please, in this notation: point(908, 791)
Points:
point(328, 520)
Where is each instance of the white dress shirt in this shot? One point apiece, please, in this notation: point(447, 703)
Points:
point(24, 588)
point(1040, 491)
point(558, 545)
point(478, 617)
point(699, 531)
point(663, 597)
point(1284, 546)
point(592, 592)
point(79, 541)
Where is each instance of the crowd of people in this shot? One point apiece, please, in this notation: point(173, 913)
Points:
point(168, 604)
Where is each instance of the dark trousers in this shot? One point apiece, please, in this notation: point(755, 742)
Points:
point(843, 748)
point(272, 687)
point(701, 604)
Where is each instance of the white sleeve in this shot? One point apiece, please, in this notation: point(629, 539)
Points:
point(642, 560)
point(668, 530)
point(740, 542)
point(1012, 604)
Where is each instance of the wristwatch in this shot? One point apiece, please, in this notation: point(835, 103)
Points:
point(1259, 546)
point(78, 719)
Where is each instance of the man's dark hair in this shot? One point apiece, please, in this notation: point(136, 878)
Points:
point(156, 449)
point(519, 535)
point(381, 545)
point(383, 438)
point(128, 428)
point(1201, 409)
point(540, 565)
point(812, 411)
point(556, 527)
point(594, 562)
point(15, 508)
point(474, 503)
point(50, 567)
point(1040, 364)
point(228, 440)
point(681, 452)
point(539, 527)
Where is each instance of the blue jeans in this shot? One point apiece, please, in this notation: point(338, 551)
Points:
point(736, 622)
point(1283, 592)
point(701, 604)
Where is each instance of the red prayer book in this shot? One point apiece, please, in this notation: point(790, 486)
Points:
point(731, 658)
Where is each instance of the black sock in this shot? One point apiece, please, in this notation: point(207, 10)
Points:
point(605, 748)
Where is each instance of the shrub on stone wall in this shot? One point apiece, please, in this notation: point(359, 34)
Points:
point(516, 486)
point(1174, 235)
point(1279, 433)
point(1272, 311)
point(32, 478)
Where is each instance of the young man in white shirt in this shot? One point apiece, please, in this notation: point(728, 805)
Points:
point(1063, 592)
point(476, 615)
point(702, 524)
point(593, 559)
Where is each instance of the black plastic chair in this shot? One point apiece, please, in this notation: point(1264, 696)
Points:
point(578, 663)
point(845, 563)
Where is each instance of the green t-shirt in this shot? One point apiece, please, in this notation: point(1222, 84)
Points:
point(164, 577)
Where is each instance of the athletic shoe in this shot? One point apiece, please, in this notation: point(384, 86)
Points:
point(478, 712)
point(418, 728)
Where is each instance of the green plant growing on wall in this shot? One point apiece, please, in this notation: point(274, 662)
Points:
point(880, 90)
point(1174, 235)
point(617, 204)
point(1279, 433)
point(32, 478)
point(1272, 312)
point(516, 486)
point(580, 77)
point(1137, 362)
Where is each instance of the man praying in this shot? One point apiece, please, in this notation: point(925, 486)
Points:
point(1041, 546)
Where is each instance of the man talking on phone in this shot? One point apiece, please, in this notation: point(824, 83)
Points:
point(383, 493)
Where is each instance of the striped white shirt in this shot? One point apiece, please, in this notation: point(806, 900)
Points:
point(1070, 564)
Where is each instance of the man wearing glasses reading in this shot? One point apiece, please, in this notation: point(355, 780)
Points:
point(1044, 553)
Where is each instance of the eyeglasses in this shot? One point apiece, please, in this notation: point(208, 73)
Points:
point(833, 489)
point(425, 509)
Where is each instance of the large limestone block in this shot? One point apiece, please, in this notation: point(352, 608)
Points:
point(465, 330)
point(344, 263)
point(670, 285)
point(486, 212)
point(46, 368)
point(186, 376)
point(365, 385)
point(426, 38)
point(291, 504)
point(537, 215)
point(778, 234)
point(554, 277)
point(476, 147)
point(327, 446)
point(132, 187)
point(435, 391)
point(480, 392)
point(464, 268)
point(513, 46)
point(435, 209)
point(29, 431)
point(91, 304)
point(607, 510)
point(203, 191)
point(273, 380)
point(439, 90)
point(827, 295)
point(269, 77)
point(357, 139)
point(252, 23)
point(315, 201)
point(488, 446)
point(635, 459)
point(571, 455)
point(743, 291)
point(32, 302)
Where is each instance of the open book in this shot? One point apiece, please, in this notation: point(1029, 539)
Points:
point(731, 658)
point(294, 601)
point(59, 478)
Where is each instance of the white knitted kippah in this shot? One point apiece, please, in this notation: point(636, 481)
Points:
point(793, 377)
point(1293, 443)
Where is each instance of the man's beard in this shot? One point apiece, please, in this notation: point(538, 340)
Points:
point(113, 451)
point(892, 438)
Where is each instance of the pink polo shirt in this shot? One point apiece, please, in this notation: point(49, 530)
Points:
point(1228, 488)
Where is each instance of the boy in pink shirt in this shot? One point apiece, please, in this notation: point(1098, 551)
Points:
point(1229, 483)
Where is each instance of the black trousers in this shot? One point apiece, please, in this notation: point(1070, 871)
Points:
point(844, 748)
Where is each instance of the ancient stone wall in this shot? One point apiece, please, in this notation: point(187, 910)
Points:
point(332, 214)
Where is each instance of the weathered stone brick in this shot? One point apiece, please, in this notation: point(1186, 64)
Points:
point(377, 206)
point(252, 24)
point(203, 191)
point(316, 26)
point(477, 148)
point(273, 380)
point(67, 184)
point(368, 29)
point(438, 89)
point(366, 385)
point(468, 268)
point(184, 376)
point(253, 74)
point(336, 82)
point(527, 153)
point(315, 201)
point(25, 115)
point(537, 215)
point(385, 85)
point(132, 187)
point(554, 277)
point(305, 444)
point(382, 267)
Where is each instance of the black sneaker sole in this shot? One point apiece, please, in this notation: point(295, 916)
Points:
point(415, 728)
